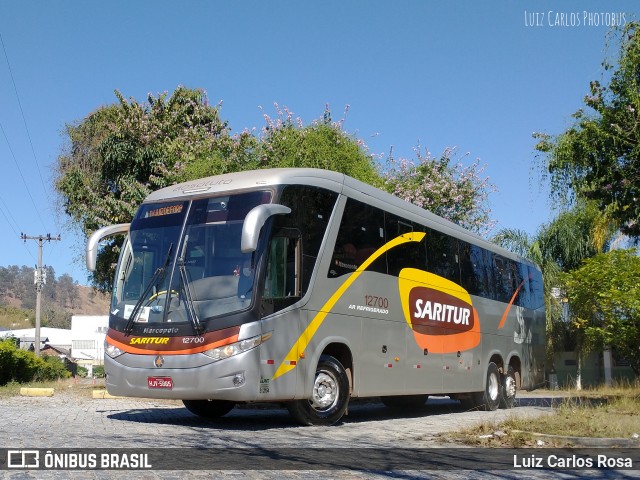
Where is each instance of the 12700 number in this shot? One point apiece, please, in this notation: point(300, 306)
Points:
point(374, 301)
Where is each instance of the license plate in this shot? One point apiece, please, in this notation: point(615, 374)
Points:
point(160, 382)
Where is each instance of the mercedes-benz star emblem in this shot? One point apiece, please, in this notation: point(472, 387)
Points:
point(159, 361)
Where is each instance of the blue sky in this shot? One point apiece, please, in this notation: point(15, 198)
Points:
point(475, 75)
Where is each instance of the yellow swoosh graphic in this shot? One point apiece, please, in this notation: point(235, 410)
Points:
point(290, 360)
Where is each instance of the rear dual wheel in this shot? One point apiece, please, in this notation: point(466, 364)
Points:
point(508, 397)
point(499, 391)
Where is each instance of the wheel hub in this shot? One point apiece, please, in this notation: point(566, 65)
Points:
point(325, 392)
point(493, 387)
point(510, 387)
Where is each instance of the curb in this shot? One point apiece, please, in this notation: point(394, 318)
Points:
point(102, 394)
point(36, 392)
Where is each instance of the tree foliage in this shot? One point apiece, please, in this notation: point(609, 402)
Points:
point(573, 236)
point(121, 152)
point(456, 192)
point(287, 143)
point(604, 294)
point(598, 157)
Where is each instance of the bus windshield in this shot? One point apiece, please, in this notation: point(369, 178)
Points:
point(182, 261)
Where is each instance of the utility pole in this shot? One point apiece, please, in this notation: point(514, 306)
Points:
point(40, 279)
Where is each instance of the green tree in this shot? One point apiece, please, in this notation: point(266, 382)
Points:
point(120, 153)
point(604, 295)
point(451, 190)
point(287, 143)
point(598, 157)
point(574, 235)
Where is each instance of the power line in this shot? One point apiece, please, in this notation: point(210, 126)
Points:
point(21, 175)
point(24, 119)
point(14, 225)
point(8, 210)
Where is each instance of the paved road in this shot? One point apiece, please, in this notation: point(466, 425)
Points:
point(73, 421)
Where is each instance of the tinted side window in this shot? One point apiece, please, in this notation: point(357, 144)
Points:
point(361, 234)
point(311, 208)
point(442, 255)
point(536, 288)
point(506, 279)
point(476, 270)
point(524, 297)
point(407, 255)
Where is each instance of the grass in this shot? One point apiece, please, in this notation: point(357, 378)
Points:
point(81, 387)
point(69, 387)
point(601, 413)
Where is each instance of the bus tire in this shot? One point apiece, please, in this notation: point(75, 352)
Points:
point(489, 399)
point(405, 401)
point(329, 398)
point(508, 389)
point(209, 408)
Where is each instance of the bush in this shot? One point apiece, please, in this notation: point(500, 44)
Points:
point(23, 366)
point(51, 368)
point(98, 371)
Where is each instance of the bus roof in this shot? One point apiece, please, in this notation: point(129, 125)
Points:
point(338, 182)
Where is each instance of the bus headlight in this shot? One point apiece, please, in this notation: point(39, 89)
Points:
point(112, 350)
point(226, 351)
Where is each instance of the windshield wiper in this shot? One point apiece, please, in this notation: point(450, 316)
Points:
point(191, 312)
point(155, 280)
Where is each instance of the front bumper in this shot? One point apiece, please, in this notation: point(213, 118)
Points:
point(193, 377)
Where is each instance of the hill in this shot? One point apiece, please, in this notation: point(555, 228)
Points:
point(62, 297)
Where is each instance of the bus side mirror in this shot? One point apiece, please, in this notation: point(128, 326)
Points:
point(94, 240)
point(255, 220)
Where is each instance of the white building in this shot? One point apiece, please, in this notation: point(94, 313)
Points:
point(59, 337)
point(85, 339)
point(88, 333)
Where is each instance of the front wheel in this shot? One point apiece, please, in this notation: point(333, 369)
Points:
point(209, 408)
point(329, 397)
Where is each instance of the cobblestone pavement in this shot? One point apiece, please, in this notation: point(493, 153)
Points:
point(73, 421)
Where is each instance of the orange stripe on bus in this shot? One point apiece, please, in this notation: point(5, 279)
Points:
point(187, 351)
point(513, 299)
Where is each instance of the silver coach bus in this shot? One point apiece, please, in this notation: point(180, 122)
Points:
point(308, 287)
